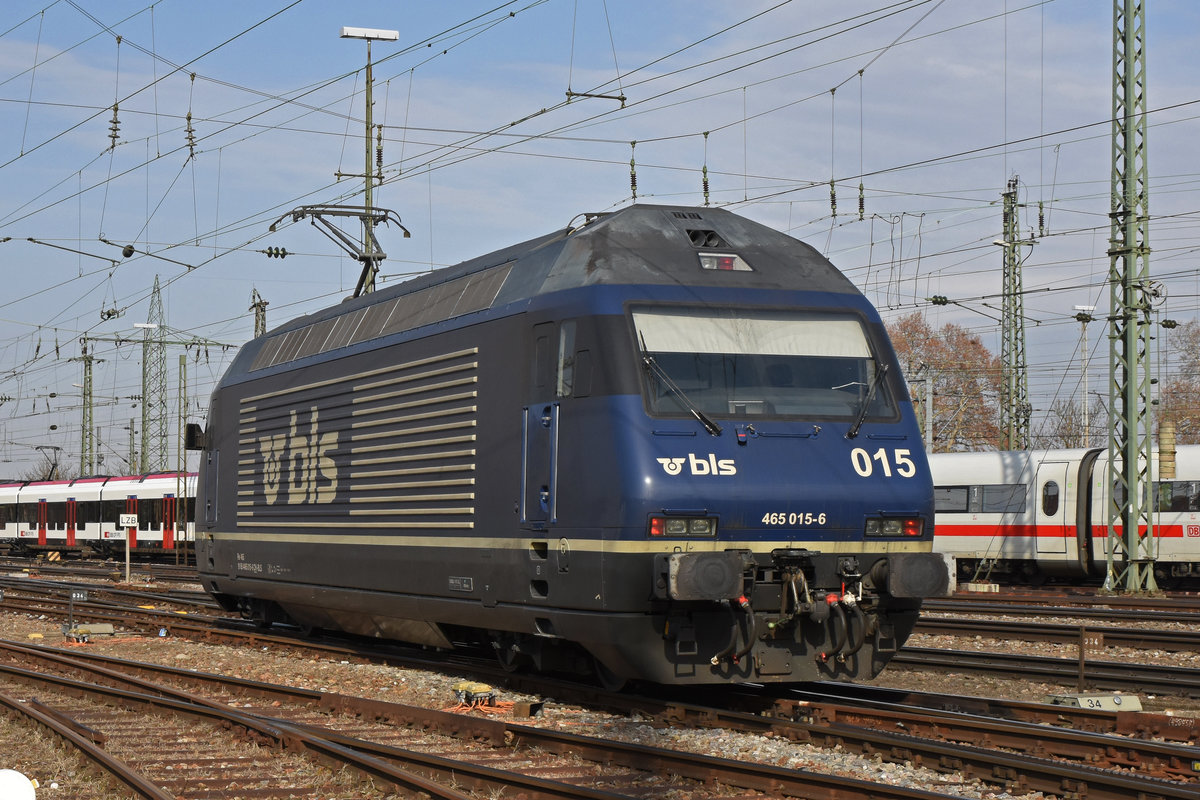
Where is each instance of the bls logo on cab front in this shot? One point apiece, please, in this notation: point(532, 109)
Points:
point(705, 465)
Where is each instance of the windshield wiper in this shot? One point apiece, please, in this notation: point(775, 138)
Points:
point(653, 366)
point(862, 412)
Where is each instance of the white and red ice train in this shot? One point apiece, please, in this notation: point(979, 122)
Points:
point(91, 516)
point(1029, 515)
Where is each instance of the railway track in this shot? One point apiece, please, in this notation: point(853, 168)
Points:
point(1066, 597)
point(443, 753)
point(149, 572)
point(1040, 759)
point(1107, 675)
point(1182, 611)
point(1061, 633)
point(187, 614)
point(284, 717)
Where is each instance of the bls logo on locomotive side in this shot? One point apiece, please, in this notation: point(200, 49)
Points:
point(299, 466)
point(703, 465)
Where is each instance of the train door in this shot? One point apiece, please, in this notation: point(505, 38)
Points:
point(168, 531)
point(131, 507)
point(41, 521)
point(71, 518)
point(540, 460)
point(1050, 509)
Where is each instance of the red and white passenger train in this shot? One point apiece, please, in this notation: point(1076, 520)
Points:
point(1030, 515)
point(84, 516)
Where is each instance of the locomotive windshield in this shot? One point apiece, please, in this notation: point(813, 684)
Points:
point(735, 362)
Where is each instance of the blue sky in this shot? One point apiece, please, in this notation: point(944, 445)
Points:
point(937, 105)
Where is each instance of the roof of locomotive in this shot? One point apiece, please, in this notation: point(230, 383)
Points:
point(640, 244)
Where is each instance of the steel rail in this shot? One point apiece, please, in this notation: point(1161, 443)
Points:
point(110, 764)
point(1122, 676)
point(1168, 601)
point(1102, 611)
point(1062, 633)
point(791, 782)
point(281, 733)
point(904, 748)
point(1016, 772)
point(1013, 770)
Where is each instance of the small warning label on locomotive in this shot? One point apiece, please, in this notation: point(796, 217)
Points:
point(461, 584)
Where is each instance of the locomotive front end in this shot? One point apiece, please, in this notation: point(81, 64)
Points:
point(786, 493)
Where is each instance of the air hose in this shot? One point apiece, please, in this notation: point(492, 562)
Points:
point(743, 604)
point(860, 632)
point(839, 626)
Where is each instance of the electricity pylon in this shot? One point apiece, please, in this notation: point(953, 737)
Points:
point(154, 387)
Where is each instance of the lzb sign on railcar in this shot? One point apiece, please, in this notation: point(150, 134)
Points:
point(128, 521)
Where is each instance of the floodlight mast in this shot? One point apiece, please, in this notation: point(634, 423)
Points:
point(370, 256)
point(368, 253)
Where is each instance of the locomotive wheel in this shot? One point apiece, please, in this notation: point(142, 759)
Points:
point(609, 680)
point(509, 654)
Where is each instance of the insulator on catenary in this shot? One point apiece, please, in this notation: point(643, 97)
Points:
point(379, 150)
point(632, 169)
point(191, 137)
point(114, 128)
point(833, 198)
point(704, 172)
point(862, 202)
point(1041, 218)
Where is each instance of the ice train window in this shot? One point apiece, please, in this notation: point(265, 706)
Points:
point(1050, 498)
point(1177, 496)
point(1003, 498)
point(949, 499)
point(742, 362)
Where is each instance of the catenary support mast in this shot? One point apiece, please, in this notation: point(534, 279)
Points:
point(1131, 541)
point(1015, 409)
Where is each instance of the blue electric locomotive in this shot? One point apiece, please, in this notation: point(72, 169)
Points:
point(669, 443)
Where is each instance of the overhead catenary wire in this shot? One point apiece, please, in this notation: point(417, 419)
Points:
point(647, 163)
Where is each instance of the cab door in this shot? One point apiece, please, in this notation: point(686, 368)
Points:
point(552, 379)
point(539, 458)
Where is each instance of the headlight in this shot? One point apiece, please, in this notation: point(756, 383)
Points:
point(895, 527)
point(682, 526)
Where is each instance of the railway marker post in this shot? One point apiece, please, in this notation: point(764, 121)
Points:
point(75, 595)
point(128, 521)
point(1087, 641)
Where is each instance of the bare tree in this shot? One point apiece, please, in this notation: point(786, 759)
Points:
point(1063, 425)
point(1180, 396)
point(960, 374)
point(50, 468)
